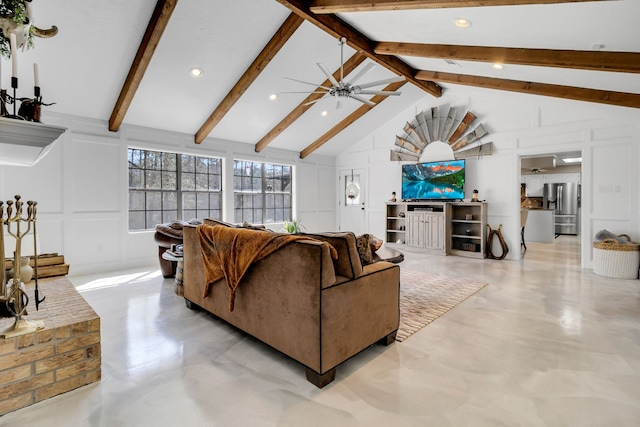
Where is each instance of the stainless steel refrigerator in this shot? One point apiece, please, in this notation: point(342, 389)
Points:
point(564, 198)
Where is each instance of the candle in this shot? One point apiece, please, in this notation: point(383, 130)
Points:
point(14, 55)
point(36, 75)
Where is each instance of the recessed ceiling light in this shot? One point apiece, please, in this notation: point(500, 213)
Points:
point(196, 72)
point(324, 113)
point(497, 66)
point(273, 97)
point(572, 160)
point(462, 22)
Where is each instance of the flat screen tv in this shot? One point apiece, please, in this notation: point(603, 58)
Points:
point(433, 180)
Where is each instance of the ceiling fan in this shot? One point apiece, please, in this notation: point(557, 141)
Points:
point(341, 89)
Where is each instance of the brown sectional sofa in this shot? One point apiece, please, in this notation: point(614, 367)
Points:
point(300, 301)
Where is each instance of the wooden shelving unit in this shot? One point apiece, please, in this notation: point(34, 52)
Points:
point(426, 226)
point(396, 223)
point(468, 229)
point(419, 226)
point(447, 228)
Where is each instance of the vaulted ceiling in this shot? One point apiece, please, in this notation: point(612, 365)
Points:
point(128, 61)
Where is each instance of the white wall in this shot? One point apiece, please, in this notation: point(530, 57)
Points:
point(520, 125)
point(81, 190)
point(81, 185)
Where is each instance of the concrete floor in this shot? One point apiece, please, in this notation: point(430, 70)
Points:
point(545, 344)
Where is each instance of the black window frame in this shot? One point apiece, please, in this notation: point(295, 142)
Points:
point(164, 187)
point(262, 192)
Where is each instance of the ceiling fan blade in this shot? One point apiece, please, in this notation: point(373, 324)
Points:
point(306, 92)
point(378, 92)
point(307, 83)
point(363, 100)
point(362, 72)
point(382, 82)
point(328, 74)
point(315, 100)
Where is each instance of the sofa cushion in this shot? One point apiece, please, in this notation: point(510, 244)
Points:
point(348, 263)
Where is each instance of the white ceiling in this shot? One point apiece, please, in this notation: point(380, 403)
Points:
point(83, 68)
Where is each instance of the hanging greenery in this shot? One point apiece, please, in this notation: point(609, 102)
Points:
point(16, 11)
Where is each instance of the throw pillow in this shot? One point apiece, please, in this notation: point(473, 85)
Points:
point(374, 242)
point(364, 249)
point(345, 243)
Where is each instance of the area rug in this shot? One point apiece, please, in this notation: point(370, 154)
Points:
point(425, 297)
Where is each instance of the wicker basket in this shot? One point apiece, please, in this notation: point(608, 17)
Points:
point(613, 259)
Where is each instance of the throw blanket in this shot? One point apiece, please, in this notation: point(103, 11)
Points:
point(229, 252)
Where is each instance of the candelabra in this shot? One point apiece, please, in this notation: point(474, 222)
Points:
point(29, 109)
point(16, 299)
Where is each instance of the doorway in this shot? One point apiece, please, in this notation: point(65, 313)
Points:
point(352, 200)
point(542, 223)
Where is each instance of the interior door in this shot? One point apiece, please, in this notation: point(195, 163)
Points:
point(352, 201)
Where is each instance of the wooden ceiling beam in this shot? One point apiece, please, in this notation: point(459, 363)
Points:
point(623, 62)
point(341, 6)
point(286, 30)
point(350, 119)
point(152, 35)
point(350, 65)
point(622, 99)
point(358, 41)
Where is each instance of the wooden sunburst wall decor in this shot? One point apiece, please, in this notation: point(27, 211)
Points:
point(442, 124)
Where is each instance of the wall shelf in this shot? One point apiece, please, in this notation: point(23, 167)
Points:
point(24, 143)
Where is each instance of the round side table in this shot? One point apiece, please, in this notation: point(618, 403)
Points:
point(388, 254)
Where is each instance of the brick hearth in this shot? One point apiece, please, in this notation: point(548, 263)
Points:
point(61, 357)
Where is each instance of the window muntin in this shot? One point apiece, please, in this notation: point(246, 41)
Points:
point(262, 192)
point(167, 186)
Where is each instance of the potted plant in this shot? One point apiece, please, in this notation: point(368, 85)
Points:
point(293, 227)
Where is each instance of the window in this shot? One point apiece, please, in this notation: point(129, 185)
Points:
point(262, 192)
point(164, 187)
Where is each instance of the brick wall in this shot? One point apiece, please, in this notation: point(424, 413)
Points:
point(61, 357)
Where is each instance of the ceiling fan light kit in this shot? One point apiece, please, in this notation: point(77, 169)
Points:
point(342, 89)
